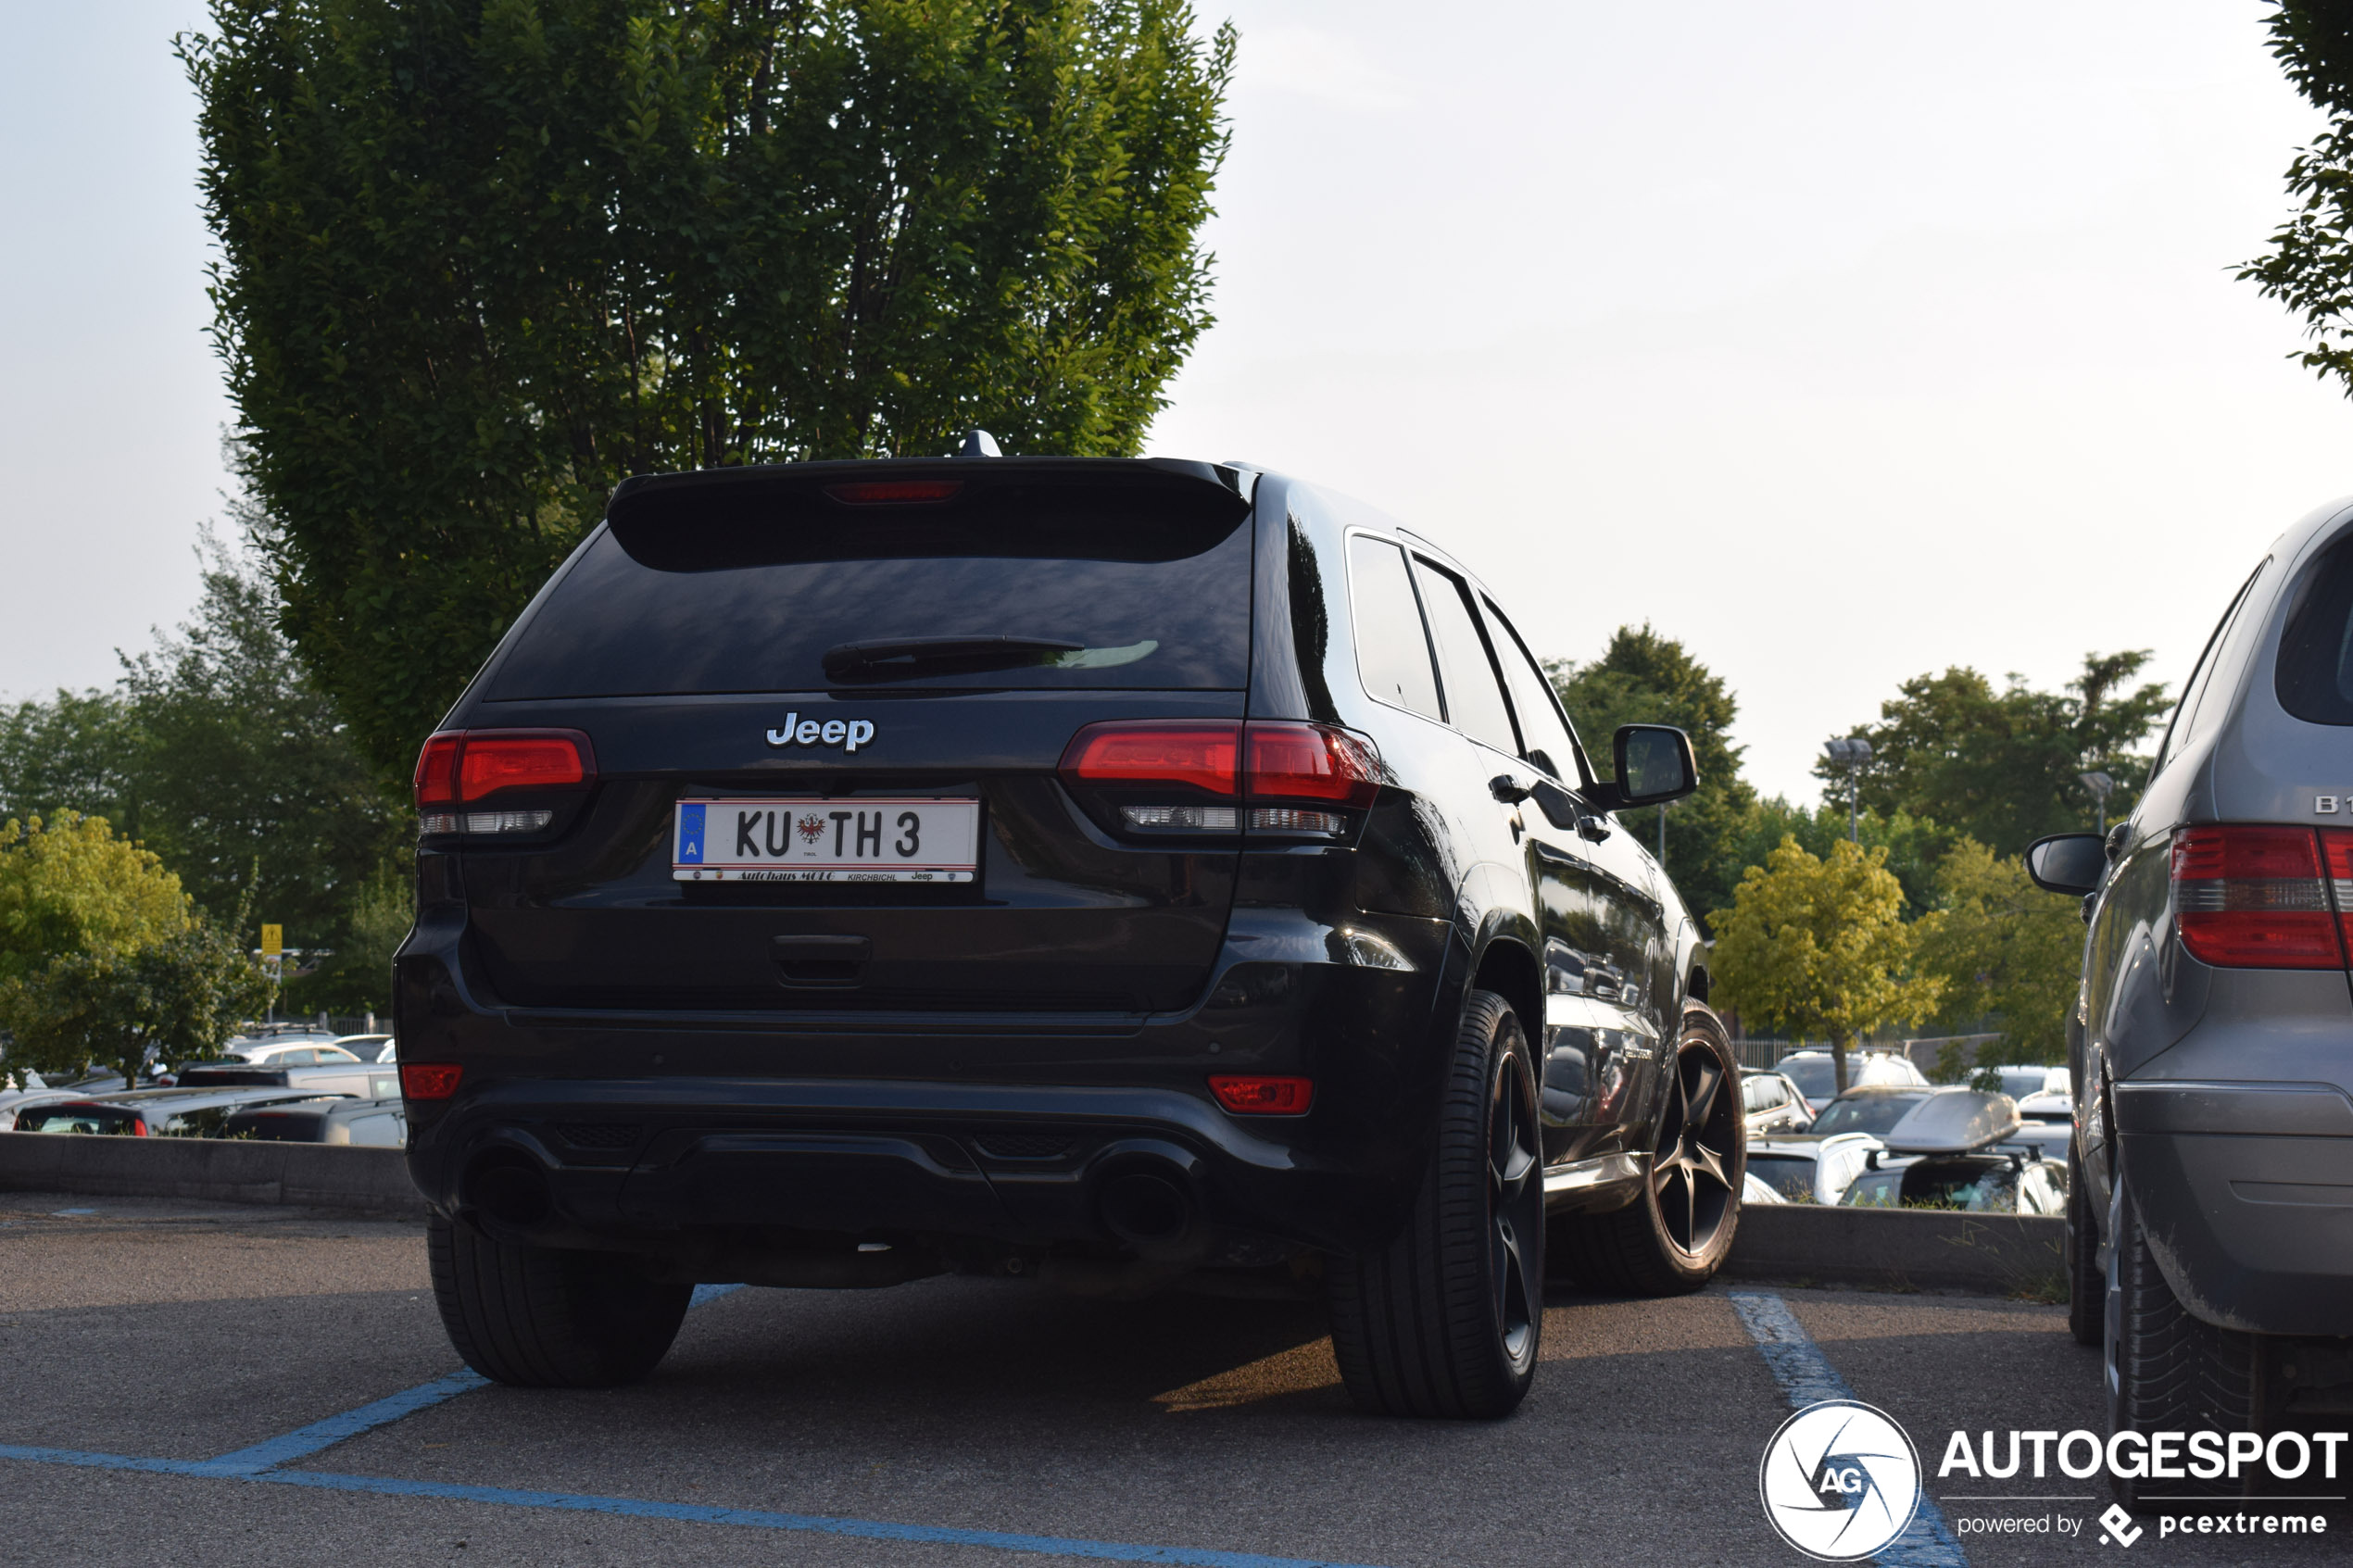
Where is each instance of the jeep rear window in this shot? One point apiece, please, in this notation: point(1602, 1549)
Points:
point(2315, 674)
point(745, 587)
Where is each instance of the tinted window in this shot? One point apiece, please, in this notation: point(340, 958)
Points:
point(1790, 1175)
point(1549, 743)
point(77, 1119)
point(1870, 1113)
point(1474, 702)
point(1125, 595)
point(1393, 654)
point(2177, 727)
point(1815, 1077)
point(2315, 675)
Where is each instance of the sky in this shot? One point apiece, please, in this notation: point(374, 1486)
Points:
point(1842, 341)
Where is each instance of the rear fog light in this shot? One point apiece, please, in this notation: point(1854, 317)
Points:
point(1264, 1096)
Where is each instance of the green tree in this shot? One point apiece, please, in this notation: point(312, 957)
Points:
point(481, 259)
point(69, 885)
point(2310, 266)
point(220, 755)
point(1819, 945)
point(1915, 846)
point(1644, 677)
point(2002, 766)
point(2007, 950)
point(180, 997)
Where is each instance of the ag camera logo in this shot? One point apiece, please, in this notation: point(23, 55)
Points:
point(1840, 1480)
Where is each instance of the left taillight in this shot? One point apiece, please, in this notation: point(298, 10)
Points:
point(2253, 898)
point(460, 769)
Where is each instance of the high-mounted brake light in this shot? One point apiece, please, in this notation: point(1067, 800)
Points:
point(1264, 1096)
point(460, 767)
point(894, 492)
point(2253, 898)
point(430, 1080)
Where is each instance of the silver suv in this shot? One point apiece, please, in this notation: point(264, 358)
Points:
point(2211, 1215)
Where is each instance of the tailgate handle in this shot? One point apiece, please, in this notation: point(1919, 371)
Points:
point(820, 961)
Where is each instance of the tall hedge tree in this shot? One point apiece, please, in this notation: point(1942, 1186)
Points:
point(2310, 266)
point(481, 258)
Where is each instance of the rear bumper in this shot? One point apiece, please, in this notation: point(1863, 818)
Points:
point(2246, 1191)
point(983, 1138)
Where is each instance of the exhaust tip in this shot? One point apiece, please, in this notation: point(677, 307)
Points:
point(1146, 1211)
point(511, 1190)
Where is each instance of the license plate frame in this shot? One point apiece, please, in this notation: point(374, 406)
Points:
point(826, 839)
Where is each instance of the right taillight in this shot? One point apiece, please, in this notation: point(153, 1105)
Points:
point(2253, 898)
point(458, 768)
point(1219, 776)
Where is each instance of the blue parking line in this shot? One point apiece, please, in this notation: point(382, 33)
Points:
point(634, 1508)
point(308, 1440)
point(1807, 1379)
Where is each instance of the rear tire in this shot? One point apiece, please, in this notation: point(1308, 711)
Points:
point(1446, 1319)
point(538, 1317)
point(1673, 1237)
point(2086, 1281)
point(2167, 1370)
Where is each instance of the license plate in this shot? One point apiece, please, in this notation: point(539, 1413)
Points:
point(811, 840)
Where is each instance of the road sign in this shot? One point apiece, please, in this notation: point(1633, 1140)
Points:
point(273, 940)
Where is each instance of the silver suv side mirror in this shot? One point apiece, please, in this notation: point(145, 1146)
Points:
point(2067, 862)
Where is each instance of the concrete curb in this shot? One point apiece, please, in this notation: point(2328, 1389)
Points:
point(308, 1176)
point(1902, 1249)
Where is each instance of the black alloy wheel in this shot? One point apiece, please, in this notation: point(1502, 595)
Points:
point(1675, 1235)
point(1515, 1205)
point(1445, 1320)
point(1699, 1147)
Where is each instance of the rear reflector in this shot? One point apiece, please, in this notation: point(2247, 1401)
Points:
point(459, 767)
point(2253, 898)
point(1264, 1097)
point(430, 1080)
point(894, 492)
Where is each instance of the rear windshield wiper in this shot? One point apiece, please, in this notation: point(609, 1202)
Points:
point(896, 659)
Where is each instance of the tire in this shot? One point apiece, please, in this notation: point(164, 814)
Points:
point(2086, 1281)
point(537, 1317)
point(1446, 1319)
point(1672, 1238)
point(2167, 1370)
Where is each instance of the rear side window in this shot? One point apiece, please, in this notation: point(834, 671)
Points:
point(1393, 654)
point(2315, 674)
point(1474, 702)
point(1014, 579)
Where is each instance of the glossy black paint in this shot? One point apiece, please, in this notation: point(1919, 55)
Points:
point(1011, 1048)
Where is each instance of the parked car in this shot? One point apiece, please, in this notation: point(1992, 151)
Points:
point(1816, 1074)
point(375, 1123)
point(1757, 1189)
point(2018, 1082)
point(292, 1053)
point(1951, 1149)
point(359, 1078)
point(1771, 1103)
point(176, 1112)
point(1812, 1167)
point(1093, 869)
point(367, 1048)
point(1876, 1109)
point(2213, 1092)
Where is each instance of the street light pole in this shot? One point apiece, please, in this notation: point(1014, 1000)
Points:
point(1854, 754)
point(2101, 787)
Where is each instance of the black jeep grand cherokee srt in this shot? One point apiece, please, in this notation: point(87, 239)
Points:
point(1103, 871)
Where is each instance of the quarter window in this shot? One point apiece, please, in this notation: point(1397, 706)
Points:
point(1474, 701)
point(1393, 652)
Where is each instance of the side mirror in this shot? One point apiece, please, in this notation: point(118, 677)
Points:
point(1655, 764)
point(2067, 862)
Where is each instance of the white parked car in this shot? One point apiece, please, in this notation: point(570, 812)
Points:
point(1816, 1074)
point(1810, 1167)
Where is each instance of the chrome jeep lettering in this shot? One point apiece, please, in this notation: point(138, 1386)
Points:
point(848, 734)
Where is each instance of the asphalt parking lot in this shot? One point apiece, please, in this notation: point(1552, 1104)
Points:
point(956, 1421)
